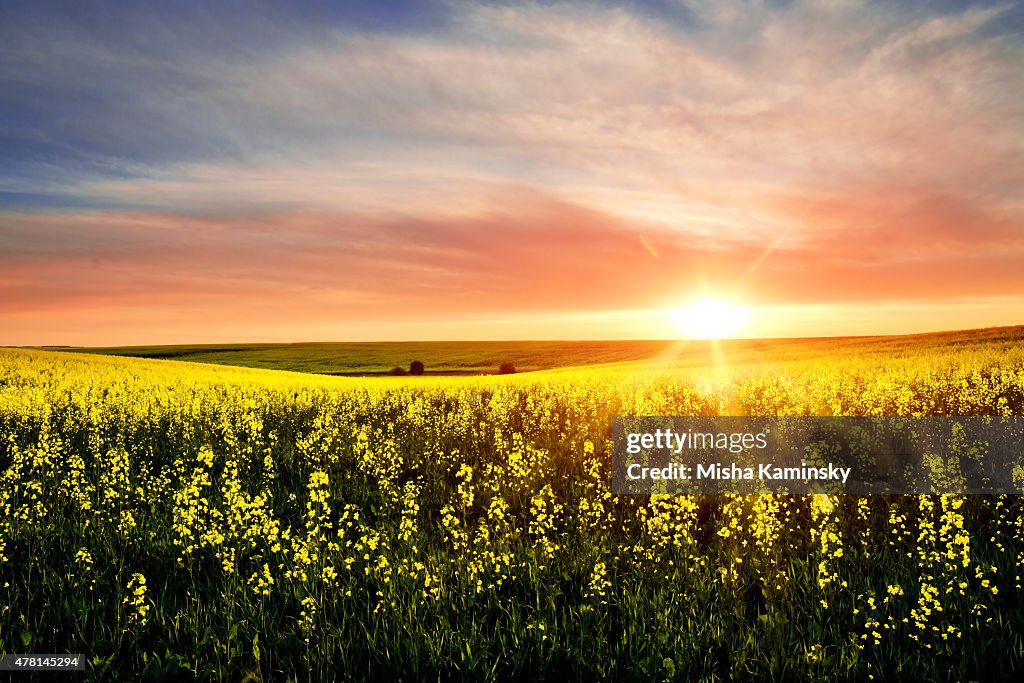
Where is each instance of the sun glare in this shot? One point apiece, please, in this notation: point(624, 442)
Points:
point(709, 319)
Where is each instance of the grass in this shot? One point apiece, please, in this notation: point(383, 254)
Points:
point(484, 357)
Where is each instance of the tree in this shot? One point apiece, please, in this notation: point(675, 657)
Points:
point(397, 371)
point(416, 368)
point(506, 368)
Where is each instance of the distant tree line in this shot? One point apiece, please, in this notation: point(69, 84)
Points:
point(416, 368)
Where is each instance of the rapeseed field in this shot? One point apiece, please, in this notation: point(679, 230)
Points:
point(173, 520)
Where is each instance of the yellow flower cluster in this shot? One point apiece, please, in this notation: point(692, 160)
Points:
point(136, 603)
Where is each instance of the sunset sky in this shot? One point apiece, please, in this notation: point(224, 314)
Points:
point(234, 171)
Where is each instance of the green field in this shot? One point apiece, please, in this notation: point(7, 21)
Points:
point(484, 357)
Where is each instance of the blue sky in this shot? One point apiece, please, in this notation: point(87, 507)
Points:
point(854, 157)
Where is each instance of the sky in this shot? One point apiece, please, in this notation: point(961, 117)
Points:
point(194, 172)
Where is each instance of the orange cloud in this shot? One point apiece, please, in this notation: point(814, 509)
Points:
point(500, 167)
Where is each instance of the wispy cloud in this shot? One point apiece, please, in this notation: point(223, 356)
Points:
point(475, 159)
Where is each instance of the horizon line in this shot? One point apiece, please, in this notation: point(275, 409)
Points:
point(534, 340)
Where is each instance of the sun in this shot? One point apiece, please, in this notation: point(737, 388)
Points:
point(709, 319)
